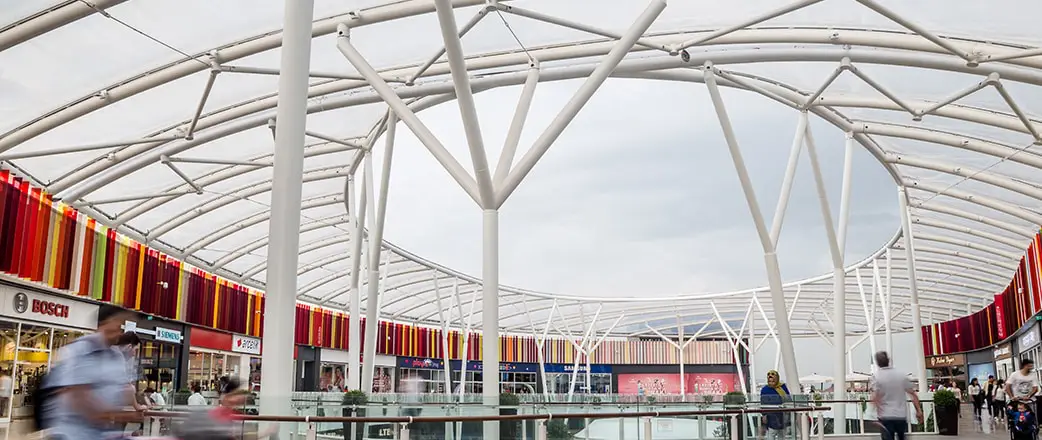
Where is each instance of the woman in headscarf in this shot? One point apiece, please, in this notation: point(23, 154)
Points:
point(775, 393)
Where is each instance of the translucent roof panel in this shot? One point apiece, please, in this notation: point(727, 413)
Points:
point(157, 118)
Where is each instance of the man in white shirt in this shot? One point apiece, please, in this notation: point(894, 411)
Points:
point(1022, 385)
point(890, 390)
point(196, 399)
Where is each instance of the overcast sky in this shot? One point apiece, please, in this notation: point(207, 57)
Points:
point(639, 196)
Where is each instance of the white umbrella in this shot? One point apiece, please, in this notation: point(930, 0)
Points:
point(858, 377)
point(815, 378)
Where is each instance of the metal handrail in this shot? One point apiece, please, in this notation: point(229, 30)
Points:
point(484, 418)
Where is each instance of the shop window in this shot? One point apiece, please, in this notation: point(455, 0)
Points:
point(158, 365)
point(26, 353)
point(255, 374)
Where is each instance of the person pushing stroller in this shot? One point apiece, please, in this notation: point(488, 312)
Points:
point(1022, 387)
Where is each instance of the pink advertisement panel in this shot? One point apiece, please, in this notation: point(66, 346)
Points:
point(669, 383)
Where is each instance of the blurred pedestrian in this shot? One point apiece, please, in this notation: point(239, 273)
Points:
point(90, 382)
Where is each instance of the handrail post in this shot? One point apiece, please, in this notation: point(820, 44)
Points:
point(312, 433)
point(647, 428)
point(735, 435)
point(540, 429)
point(860, 418)
point(403, 431)
point(821, 426)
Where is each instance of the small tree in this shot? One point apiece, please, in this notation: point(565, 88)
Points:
point(508, 403)
point(557, 429)
point(354, 402)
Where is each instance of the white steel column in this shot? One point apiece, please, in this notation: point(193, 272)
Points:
point(774, 279)
point(889, 304)
point(490, 316)
point(444, 335)
point(680, 358)
point(376, 216)
point(356, 221)
point(753, 347)
point(837, 242)
point(284, 227)
point(917, 322)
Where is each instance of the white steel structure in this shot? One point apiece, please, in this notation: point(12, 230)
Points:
point(965, 162)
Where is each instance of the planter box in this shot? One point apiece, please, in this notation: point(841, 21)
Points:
point(947, 420)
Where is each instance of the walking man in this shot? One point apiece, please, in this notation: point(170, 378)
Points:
point(890, 389)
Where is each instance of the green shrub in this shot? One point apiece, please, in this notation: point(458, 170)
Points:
point(557, 429)
point(734, 398)
point(355, 398)
point(509, 399)
point(945, 399)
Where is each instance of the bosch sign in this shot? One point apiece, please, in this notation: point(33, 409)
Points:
point(50, 309)
point(41, 307)
point(36, 306)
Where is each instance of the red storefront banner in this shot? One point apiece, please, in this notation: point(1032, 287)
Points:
point(669, 383)
point(1000, 320)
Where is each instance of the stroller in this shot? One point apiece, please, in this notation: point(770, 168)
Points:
point(1022, 425)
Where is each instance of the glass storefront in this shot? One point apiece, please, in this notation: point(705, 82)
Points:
point(428, 381)
point(560, 383)
point(158, 365)
point(429, 375)
point(28, 351)
point(206, 368)
point(255, 374)
point(334, 378)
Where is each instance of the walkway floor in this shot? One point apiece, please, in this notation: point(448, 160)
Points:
point(968, 429)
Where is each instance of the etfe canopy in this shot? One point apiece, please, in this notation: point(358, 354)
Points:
point(942, 93)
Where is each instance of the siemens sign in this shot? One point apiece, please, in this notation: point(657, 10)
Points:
point(167, 335)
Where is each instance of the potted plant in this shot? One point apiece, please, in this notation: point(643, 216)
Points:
point(354, 403)
point(557, 429)
point(946, 406)
point(735, 400)
point(508, 403)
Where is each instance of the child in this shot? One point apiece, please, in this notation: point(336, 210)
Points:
point(1022, 423)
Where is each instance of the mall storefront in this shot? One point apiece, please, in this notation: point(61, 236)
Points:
point(430, 375)
point(1028, 345)
point(1003, 354)
point(650, 380)
point(213, 354)
point(334, 371)
point(161, 358)
point(559, 379)
point(33, 327)
point(945, 369)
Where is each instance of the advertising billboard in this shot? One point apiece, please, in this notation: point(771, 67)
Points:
point(669, 383)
